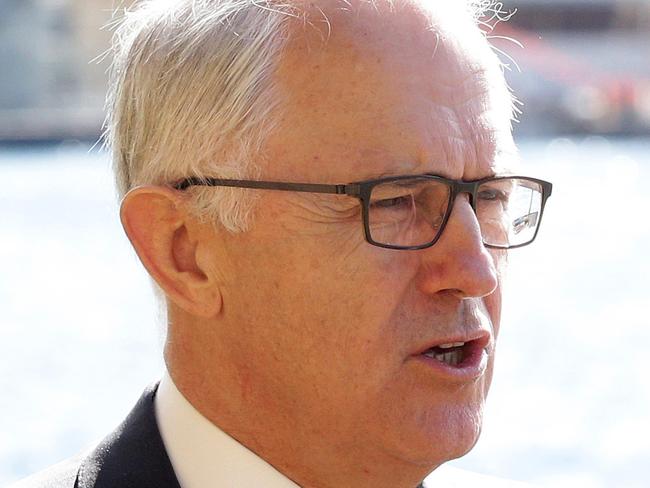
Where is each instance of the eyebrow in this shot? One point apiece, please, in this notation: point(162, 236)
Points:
point(507, 171)
point(504, 164)
point(397, 173)
point(410, 183)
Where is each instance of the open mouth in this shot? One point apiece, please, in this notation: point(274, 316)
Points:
point(452, 354)
point(459, 354)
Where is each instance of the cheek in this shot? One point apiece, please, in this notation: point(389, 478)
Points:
point(307, 301)
point(341, 306)
point(353, 294)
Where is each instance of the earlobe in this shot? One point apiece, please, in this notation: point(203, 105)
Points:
point(158, 225)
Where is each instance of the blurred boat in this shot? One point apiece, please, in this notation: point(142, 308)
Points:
point(584, 66)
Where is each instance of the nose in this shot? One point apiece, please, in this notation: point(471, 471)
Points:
point(459, 262)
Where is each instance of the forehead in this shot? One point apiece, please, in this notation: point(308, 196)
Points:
point(371, 90)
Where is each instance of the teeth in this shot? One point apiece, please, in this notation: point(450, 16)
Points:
point(451, 344)
point(453, 358)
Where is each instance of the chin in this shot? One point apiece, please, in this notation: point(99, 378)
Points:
point(460, 432)
point(438, 423)
point(443, 433)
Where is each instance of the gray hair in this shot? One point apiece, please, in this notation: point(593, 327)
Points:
point(192, 93)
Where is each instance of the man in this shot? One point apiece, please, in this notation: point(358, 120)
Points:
point(318, 190)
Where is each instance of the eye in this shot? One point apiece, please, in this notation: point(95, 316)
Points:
point(394, 203)
point(492, 194)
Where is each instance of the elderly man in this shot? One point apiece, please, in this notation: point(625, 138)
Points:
point(321, 191)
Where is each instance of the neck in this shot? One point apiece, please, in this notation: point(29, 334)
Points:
point(289, 437)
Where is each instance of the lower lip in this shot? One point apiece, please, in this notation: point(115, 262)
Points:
point(472, 368)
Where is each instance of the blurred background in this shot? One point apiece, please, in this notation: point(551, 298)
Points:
point(570, 401)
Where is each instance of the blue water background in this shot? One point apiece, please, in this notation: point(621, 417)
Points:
point(570, 404)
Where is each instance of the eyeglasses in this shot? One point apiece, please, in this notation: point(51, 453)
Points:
point(411, 212)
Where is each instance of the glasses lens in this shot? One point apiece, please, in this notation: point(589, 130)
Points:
point(407, 212)
point(508, 211)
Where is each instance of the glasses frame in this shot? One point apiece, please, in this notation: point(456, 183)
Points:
point(363, 189)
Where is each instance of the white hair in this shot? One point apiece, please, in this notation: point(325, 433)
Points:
point(192, 93)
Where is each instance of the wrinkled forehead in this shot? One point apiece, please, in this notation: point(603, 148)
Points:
point(381, 65)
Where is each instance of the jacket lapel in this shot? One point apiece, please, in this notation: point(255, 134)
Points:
point(133, 456)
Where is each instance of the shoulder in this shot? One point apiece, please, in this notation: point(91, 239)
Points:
point(450, 477)
point(133, 456)
point(62, 475)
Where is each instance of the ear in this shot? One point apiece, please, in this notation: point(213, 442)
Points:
point(166, 237)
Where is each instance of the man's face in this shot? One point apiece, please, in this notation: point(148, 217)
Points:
point(330, 330)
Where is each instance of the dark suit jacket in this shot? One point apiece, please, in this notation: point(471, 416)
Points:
point(133, 456)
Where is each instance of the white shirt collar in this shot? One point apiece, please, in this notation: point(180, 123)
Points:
point(201, 454)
